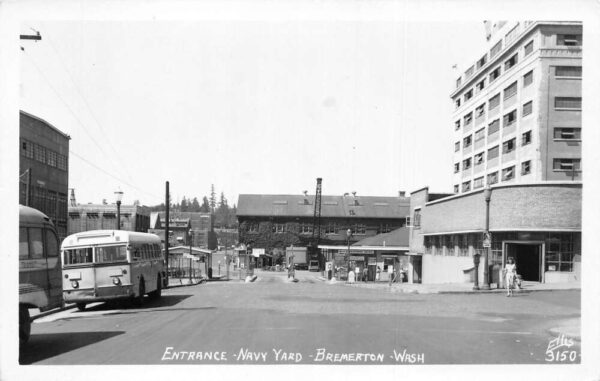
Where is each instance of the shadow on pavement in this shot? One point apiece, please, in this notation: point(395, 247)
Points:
point(43, 346)
point(164, 301)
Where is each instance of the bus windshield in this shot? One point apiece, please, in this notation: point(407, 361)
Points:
point(106, 254)
point(77, 256)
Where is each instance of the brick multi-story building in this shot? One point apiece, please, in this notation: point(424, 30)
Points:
point(517, 131)
point(180, 224)
point(44, 169)
point(517, 111)
point(274, 222)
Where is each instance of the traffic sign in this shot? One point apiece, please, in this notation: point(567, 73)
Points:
point(487, 240)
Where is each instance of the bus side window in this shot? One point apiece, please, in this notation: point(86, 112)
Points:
point(36, 244)
point(51, 243)
point(136, 254)
point(23, 244)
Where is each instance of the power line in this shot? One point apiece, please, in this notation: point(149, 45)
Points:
point(113, 176)
point(108, 141)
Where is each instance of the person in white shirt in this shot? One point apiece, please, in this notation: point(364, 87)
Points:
point(510, 273)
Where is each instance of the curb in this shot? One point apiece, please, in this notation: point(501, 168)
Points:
point(52, 311)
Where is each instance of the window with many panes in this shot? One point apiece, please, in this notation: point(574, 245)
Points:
point(39, 153)
point(528, 48)
point(511, 62)
point(509, 118)
point(456, 146)
point(525, 167)
point(528, 79)
point(360, 229)
point(331, 228)
point(508, 173)
point(567, 133)
point(493, 152)
point(568, 39)
point(466, 186)
point(466, 164)
point(468, 118)
point(467, 141)
point(567, 103)
point(61, 162)
point(495, 74)
point(457, 125)
point(51, 157)
point(494, 126)
point(480, 134)
point(492, 178)
point(510, 91)
point(27, 148)
point(306, 228)
point(494, 102)
point(468, 95)
point(478, 183)
point(527, 108)
point(480, 111)
point(568, 71)
point(509, 145)
point(566, 164)
point(561, 249)
point(480, 85)
point(526, 138)
point(417, 218)
point(456, 167)
point(478, 159)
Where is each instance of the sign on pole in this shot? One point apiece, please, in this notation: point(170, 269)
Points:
point(487, 240)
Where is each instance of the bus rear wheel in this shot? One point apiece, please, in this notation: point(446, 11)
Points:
point(156, 294)
point(80, 306)
point(24, 324)
point(139, 299)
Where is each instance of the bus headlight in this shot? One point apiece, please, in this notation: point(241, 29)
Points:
point(116, 281)
point(74, 284)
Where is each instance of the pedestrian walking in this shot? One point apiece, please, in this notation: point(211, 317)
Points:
point(365, 274)
point(510, 273)
point(377, 275)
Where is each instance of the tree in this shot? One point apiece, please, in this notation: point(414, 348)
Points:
point(195, 205)
point(213, 198)
point(184, 205)
point(205, 208)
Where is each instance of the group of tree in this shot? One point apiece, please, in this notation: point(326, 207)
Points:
point(224, 215)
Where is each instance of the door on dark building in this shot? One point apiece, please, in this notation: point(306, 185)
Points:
point(528, 258)
point(416, 262)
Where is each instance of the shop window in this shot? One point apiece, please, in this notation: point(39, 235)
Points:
point(561, 250)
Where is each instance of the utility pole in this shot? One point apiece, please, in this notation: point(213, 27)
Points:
point(167, 197)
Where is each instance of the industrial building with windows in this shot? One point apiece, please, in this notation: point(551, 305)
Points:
point(517, 162)
point(44, 169)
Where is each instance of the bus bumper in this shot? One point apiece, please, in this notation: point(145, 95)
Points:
point(98, 294)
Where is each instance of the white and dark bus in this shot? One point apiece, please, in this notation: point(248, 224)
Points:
point(102, 265)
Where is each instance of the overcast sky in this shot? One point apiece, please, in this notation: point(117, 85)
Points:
point(251, 106)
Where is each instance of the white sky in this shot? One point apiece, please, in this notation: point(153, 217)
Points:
point(250, 106)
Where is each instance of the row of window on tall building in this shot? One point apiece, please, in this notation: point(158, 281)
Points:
point(561, 40)
point(43, 155)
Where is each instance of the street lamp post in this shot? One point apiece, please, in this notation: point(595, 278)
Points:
point(190, 236)
point(476, 275)
point(348, 235)
point(487, 195)
point(119, 197)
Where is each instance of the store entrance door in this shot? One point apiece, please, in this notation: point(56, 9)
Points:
point(528, 258)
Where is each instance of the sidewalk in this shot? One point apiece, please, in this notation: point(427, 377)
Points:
point(452, 288)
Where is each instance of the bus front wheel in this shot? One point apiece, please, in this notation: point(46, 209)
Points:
point(24, 324)
point(80, 306)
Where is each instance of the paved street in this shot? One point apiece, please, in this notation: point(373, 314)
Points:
point(273, 321)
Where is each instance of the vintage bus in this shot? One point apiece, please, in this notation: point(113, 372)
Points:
point(102, 265)
point(40, 283)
